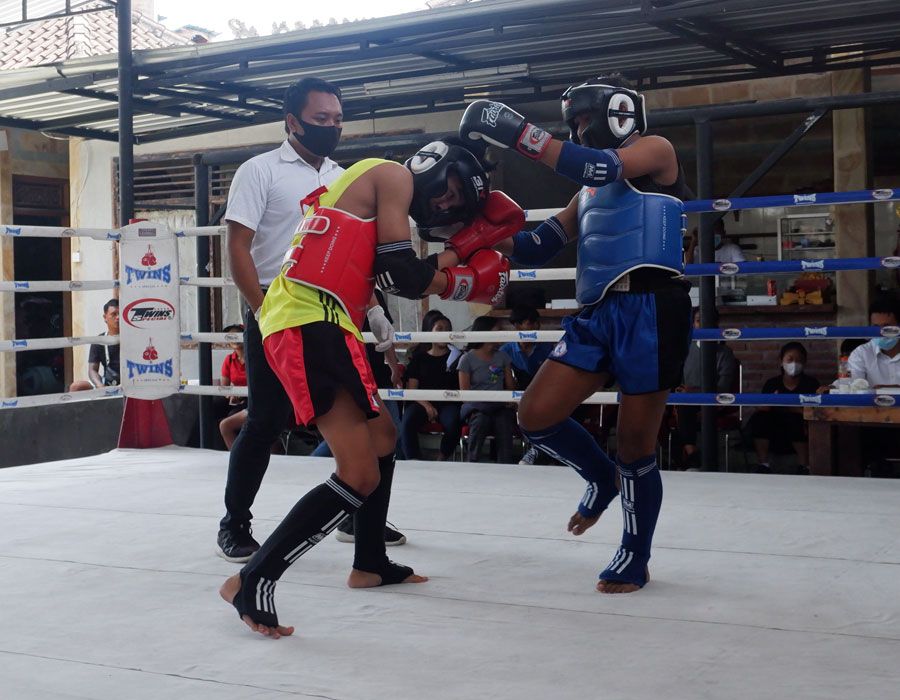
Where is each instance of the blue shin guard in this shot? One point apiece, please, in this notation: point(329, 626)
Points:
point(571, 444)
point(641, 499)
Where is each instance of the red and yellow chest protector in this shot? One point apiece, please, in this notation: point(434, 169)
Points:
point(334, 251)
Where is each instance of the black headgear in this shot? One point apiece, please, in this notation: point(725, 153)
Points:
point(430, 167)
point(606, 105)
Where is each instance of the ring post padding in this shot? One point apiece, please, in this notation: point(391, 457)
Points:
point(150, 316)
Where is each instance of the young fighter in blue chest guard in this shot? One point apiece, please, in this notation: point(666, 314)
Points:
point(635, 326)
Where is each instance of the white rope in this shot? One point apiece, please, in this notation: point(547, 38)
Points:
point(100, 234)
point(540, 214)
point(546, 275)
point(54, 343)
point(473, 337)
point(194, 231)
point(56, 286)
point(107, 392)
point(205, 390)
point(207, 281)
point(549, 274)
point(213, 337)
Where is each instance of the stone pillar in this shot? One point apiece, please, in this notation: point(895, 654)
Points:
point(854, 224)
point(7, 301)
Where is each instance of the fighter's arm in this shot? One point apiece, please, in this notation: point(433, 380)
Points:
point(502, 126)
point(398, 270)
point(538, 247)
point(397, 267)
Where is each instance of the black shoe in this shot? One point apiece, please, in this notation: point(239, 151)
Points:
point(344, 533)
point(236, 546)
point(762, 469)
point(393, 538)
point(803, 470)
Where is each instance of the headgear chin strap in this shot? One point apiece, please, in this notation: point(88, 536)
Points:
point(616, 113)
point(431, 166)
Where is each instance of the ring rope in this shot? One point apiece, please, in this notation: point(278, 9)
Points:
point(58, 286)
point(55, 343)
point(701, 334)
point(883, 400)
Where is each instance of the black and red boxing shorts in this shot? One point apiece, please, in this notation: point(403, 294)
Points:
point(314, 362)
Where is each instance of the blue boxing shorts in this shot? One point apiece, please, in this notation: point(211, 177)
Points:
point(641, 338)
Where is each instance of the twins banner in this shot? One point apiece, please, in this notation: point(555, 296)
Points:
point(149, 323)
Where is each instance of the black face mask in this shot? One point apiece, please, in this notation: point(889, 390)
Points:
point(321, 140)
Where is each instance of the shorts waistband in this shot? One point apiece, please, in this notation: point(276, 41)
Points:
point(645, 281)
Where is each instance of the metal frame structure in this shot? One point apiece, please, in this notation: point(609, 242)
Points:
point(514, 50)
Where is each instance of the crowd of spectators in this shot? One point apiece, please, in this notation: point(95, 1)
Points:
point(476, 431)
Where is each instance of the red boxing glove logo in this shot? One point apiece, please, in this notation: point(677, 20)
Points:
point(150, 353)
point(149, 259)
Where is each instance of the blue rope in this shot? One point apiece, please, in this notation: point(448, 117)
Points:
point(843, 400)
point(781, 266)
point(792, 200)
point(802, 333)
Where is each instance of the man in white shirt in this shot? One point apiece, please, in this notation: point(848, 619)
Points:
point(263, 214)
point(878, 361)
point(725, 250)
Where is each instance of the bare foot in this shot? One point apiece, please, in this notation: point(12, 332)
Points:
point(617, 587)
point(230, 589)
point(367, 579)
point(579, 524)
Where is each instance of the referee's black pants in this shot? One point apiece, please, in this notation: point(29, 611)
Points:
point(269, 412)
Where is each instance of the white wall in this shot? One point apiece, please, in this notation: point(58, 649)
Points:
point(91, 202)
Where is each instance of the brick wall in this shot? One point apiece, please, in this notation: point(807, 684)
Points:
point(759, 359)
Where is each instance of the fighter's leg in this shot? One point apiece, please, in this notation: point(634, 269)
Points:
point(641, 484)
point(371, 566)
point(315, 515)
point(544, 418)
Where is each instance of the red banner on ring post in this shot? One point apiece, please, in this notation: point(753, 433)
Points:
point(144, 424)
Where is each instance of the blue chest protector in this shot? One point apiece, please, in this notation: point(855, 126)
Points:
point(622, 229)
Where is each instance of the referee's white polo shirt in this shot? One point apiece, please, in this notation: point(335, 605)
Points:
point(265, 197)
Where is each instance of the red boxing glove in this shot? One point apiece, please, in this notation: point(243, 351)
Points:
point(482, 280)
point(501, 218)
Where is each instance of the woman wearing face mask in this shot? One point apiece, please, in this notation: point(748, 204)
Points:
point(780, 428)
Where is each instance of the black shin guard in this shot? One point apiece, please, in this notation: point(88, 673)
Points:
point(369, 522)
point(309, 522)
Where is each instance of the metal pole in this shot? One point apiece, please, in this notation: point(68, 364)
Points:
point(126, 114)
point(201, 211)
point(708, 442)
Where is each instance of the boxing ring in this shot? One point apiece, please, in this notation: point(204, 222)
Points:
point(762, 585)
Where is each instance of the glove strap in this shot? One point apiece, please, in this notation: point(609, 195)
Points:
point(533, 141)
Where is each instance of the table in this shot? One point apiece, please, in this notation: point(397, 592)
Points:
point(822, 420)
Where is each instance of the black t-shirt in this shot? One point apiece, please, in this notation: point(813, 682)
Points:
point(108, 357)
point(432, 372)
point(775, 385)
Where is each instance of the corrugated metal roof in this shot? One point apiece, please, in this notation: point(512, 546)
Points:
point(518, 50)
